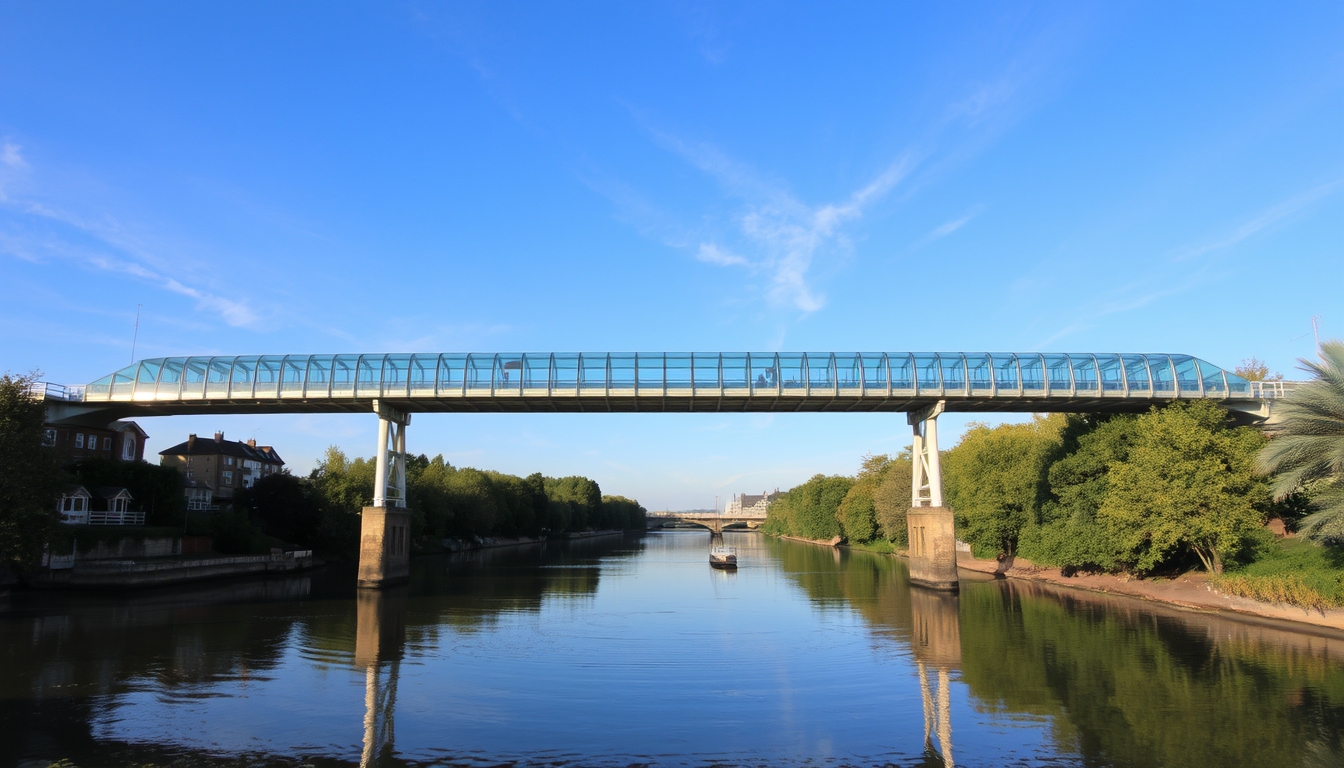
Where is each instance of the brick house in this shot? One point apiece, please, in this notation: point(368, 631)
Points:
point(223, 466)
point(123, 440)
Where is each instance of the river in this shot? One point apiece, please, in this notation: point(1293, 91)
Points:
point(633, 651)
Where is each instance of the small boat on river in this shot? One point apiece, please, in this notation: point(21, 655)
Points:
point(723, 557)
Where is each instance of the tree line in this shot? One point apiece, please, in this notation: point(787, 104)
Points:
point(445, 502)
point(1136, 493)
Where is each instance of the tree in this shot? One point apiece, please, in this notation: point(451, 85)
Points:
point(996, 480)
point(30, 480)
point(285, 508)
point(1187, 485)
point(1255, 369)
point(1306, 452)
point(891, 499)
point(815, 504)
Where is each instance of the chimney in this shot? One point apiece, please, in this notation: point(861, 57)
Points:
point(219, 437)
point(252, 442)
point(191, 442)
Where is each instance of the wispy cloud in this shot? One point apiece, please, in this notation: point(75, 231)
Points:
point(1264, 220)
point(11, 154)
point(948, 227)
point(783, 235)
point(105, 245)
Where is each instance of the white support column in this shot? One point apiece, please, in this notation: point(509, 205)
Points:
point(389, 479)
point(926, 481)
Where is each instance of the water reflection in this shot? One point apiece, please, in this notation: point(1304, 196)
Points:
point(618, 652)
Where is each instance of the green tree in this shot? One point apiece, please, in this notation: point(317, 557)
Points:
point(30, 480)
point(284, 506)
point(584, 498)
point(1306, 452)
point(816, 504)
point(996, 481)
point(1187, 485)
point(857, 512)
point(891, 499)
point(1255, 369)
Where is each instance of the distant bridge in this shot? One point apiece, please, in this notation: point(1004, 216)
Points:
point(716, 522)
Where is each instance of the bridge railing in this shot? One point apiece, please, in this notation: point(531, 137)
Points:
point(607, 375)
point(45, 390)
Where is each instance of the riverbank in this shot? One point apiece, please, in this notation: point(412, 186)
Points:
point(1190, 591)
point(495, 542)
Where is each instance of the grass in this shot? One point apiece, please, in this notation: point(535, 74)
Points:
point(1294, 571)
point(881, 546)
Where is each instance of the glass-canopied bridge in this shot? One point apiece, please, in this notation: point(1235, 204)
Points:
point(677, 382)
point(396, 385)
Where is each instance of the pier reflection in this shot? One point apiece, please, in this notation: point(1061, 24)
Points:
point(380, 639)
point(935, 641)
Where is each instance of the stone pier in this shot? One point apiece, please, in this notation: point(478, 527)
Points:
point(384, 546)
point(933, 548)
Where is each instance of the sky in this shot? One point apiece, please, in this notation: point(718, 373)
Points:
point(308, 177)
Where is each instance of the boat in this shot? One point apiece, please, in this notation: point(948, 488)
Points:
point(723, 557)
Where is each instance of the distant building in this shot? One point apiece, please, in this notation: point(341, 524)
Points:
point(122, 440)
point(217, 468)
point(106, 505)
point(746, 504)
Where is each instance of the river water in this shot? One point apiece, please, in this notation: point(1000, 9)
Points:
point(633, 651)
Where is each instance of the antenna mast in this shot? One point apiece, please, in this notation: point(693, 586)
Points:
point(136, 336)
point(1316, 331)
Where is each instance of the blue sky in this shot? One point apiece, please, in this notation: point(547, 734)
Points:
point(380, 177)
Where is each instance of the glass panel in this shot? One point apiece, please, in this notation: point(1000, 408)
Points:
point(452, 373)
point(1005, 371)
point(149, 372)
point(193, 375)
point(1163, 380)
point(848, 371)
point(1111, 374)
point(1237, 385)
point(819, 373)
point(735, 372)
point(240, 379)
point(508, 372)
point(979, 372)
point(343, 374)
point(420, 372)
point(1033, 373)
point(395, 374)
point(1136, 373)
point(1187, 375)
point(762, 371)
point(954, 371)
point(650, 371)
point(792, 371)
point(170, 375)
point(705, 368)
point(902, 371)
point(874, 370)
point(593, 371)
point(565, 371)
point(536, 371)
point(318, 371)
point(1213, 376)
point(217, 379)
point(1057, 370)
point(926, 366)
point(369, 377)
point(291, 374)
point(1084, 372)
point(622, 371)
point(101, 387)
point(268, 376)
point(479, 369)
point(678, 371)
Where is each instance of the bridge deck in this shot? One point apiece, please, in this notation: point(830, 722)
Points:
point(663, 382)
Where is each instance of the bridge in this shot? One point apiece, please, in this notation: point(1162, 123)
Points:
point(716, 522)
point(394, 386)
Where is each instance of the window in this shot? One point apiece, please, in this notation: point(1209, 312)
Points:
point(49, 438)
point(228, 461)
point(228, 477)
point(128, 448)
point(79, 439)
point(107, 443)
point(73, 503)
point(189, 475)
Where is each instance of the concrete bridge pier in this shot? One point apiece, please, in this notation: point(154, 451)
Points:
point(932, 531)
point(380, 635)
point(385, 527)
